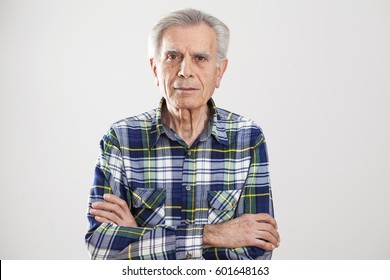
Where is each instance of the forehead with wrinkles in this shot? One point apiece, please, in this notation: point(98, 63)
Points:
point(199, 39)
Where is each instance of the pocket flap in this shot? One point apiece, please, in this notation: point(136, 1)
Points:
point(224, 200)
point(150, 198)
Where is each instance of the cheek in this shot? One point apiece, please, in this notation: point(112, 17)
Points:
point(211, 80)
point(166, 74)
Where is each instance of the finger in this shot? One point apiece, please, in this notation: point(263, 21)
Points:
point(267, 237)
point(116, 200)
point(111, 216)
point(109, 207)
point(269, 223)
point(266, 218)
point(269, 228)
point(262, 244)
point(114, 213)
point(103, 220)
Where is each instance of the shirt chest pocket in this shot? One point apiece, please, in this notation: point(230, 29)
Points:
point(148, 206)
point(222, 205)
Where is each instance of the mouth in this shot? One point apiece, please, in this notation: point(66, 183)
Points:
point(185, 89)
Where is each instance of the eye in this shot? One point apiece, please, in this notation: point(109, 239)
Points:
point(200, 58)
point(173, 56)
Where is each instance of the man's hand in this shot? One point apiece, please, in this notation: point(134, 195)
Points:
point(113, 210)
point(259, 230)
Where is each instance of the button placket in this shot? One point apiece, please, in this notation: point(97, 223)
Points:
point(188, 184)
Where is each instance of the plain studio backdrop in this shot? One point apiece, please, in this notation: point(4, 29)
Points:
point(314, 74)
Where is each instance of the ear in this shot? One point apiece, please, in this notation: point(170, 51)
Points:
point(221, 68)
point(153, 66)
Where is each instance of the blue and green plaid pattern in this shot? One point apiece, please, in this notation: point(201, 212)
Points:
point(174, 190)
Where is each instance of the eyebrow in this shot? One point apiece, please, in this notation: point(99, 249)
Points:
point(205, 54)
point(172, 50)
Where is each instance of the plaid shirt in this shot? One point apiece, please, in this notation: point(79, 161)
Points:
point(174, 190)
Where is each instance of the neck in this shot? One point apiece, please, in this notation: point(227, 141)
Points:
point(188, 123)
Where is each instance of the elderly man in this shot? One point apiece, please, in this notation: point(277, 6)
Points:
point(187, 180)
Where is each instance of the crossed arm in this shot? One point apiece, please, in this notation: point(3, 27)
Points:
point(258, 230)
point(114, 233)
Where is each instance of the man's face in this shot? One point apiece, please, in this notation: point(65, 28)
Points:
point(187, 69)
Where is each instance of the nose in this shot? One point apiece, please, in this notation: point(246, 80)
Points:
point(186, 68)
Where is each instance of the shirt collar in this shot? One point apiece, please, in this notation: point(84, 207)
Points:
point(215, 128)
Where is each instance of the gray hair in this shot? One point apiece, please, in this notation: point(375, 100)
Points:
point(189, 17)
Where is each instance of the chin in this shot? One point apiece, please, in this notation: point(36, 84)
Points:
point(190, 105)
point(186, 103)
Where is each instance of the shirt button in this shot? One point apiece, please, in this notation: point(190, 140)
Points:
point(188, 187)
point(189, 152)
point(188, 255)
point(187, 222)
point(234, 204)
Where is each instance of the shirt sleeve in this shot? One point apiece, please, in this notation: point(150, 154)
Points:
point(109, 241)
point(256, 197)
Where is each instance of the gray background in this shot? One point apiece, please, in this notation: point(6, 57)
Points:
point(314, 74)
